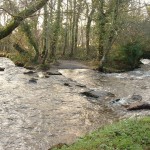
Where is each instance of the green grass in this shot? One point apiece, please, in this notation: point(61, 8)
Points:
point(125, 135)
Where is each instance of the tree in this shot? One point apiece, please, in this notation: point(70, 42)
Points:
point(56, 29)
point(108, 26)
point(19, 17)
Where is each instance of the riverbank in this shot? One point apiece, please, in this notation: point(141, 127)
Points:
point(132, 134)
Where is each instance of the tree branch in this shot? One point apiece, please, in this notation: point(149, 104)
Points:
point(15, 21)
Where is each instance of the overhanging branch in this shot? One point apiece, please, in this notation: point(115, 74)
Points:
point(18, 18)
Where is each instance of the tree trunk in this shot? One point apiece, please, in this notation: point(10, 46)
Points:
point(15, 21)
point(45, 35)
point(56, 30)
point(26, 28)
point(73, 29)
point(88, 27)
point(66, 33)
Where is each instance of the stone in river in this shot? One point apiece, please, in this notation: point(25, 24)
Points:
point(2, 69)
point(29, 72)
point(97, 94)
point(53, 73)
point(139, 106)
point(33, 80)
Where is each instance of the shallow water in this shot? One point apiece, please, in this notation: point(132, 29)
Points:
point(123, 85)
point(35, 116)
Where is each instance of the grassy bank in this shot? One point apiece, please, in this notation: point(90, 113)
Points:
point(125, 135)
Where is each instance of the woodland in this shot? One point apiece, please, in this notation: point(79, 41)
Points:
point(107, 32)
point(74, 67)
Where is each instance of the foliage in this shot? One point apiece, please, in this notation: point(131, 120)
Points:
point(132, 53)
point(17, 58)
point(133, 134)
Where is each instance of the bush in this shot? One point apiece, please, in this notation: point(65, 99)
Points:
point(132, 53)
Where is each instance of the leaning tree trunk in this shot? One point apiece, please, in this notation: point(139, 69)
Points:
point(15, 21)
point(26, 28)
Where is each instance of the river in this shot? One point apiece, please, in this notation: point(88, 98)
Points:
point(38, 115)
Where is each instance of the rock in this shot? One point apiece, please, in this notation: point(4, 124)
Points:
point(29, 72)
point(97, 94)
point(138, 106)
point(33, 80)
point(126, 101)
point(47, 76)
point(67, 84)
point(81, 85)
point(145, 61)
point(53, 73)
point(2, 69)
point(41, 75)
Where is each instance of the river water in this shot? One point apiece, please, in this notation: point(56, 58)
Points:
point(36, 116)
